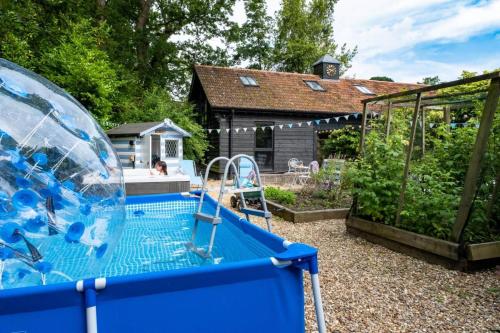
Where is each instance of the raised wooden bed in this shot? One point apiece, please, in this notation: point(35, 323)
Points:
point(432, 249)
point(307, 215)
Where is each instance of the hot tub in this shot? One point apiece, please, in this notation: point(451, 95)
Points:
point(140, 181)
point(253, 283)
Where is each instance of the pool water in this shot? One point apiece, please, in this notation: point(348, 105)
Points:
point(154, 239)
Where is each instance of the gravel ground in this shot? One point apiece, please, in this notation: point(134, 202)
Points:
point(368, 288)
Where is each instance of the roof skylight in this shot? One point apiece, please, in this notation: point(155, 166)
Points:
point(248, 81)
point(364, 90)
point(314, 85)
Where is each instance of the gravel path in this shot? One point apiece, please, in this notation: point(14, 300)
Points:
point(368, 288)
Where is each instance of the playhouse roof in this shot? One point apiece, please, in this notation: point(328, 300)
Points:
point(141, 129)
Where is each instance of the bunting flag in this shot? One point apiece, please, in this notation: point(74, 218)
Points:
point(431, 125)
point(453, 125)
point(291, 125)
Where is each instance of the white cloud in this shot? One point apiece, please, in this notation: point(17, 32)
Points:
point(384, 28)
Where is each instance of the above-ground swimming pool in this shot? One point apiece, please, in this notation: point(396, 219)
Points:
point(154, 283)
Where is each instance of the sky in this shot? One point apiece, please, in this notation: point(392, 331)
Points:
point(408, 40)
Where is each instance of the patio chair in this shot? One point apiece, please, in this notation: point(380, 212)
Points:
point(247, 178)
point(189, 168)
point(313, 169)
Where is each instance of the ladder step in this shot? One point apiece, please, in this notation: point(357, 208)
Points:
point(207, 218)
point(256, 212)
point(243, 190)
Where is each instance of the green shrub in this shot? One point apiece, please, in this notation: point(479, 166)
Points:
point(281, 196)
point(436, 180)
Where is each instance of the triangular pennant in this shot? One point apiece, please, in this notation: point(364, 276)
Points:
point(453, 125)
point(227, 130)
point(254, 128)
point(328, 120)
point(477, 125)
point(346, 117)
point(290, 125)
point(317, 121)
point(218, 130)
point(237, 130)
point(309, 123)
point(281, 126)
point(272, 128)
point(245, 129)
point(431, 125)
point(209, 130)
point(356, 115)
point(337, 119)
point(300, 124)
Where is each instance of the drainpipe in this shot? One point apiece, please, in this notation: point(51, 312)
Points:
point(231, 116)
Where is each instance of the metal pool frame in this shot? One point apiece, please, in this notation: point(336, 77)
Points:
point(260, 295)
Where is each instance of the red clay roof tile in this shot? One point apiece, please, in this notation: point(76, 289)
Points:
point(287, 91)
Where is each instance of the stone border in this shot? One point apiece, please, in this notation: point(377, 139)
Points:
point(431, 249)
point(307, 215)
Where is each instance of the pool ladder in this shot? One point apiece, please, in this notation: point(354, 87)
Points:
point(215, 219)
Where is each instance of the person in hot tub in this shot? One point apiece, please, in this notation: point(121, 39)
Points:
point(160, 169)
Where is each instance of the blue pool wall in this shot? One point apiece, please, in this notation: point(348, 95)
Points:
point(247, 296)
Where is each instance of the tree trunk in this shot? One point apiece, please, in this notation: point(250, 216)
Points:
point(142, 41)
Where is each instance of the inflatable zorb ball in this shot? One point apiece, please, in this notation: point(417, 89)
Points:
point(61, 186)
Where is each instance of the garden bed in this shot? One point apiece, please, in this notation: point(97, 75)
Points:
point(298, 216)
point(435, 250)
point(308, 204)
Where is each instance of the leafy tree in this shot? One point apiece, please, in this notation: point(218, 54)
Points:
point(382, 78)
point(83, 69)
point(156, 105)
point(431, 80)
point(305, 33)
point(253, 38)
point(344, 141)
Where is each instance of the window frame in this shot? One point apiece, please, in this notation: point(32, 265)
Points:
point(363, 89)
point(310, 83)
point(264, 150)
point(248, 81)
point(176, 148)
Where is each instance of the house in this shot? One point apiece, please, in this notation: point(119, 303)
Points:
point(250, 111)
point(148, 142)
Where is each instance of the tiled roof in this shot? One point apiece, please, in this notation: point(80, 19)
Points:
point(287, 91)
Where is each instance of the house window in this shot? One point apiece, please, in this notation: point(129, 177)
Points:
point(248, 81)
point(364, 90)
point(264, 146)
point(314, 85)
point(171, 148)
